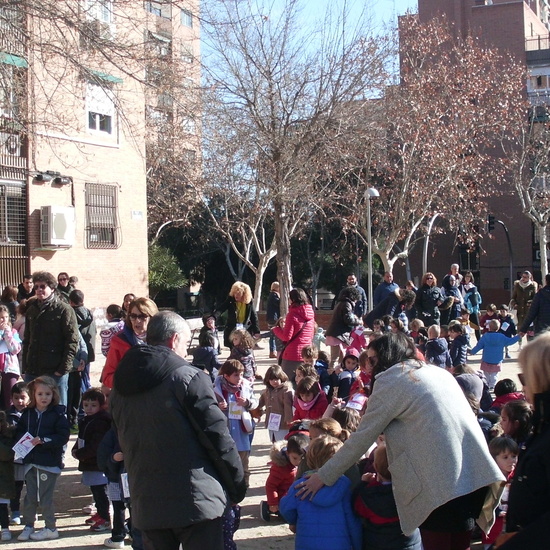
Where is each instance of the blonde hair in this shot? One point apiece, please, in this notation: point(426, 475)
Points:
point(534, 359)
point(275, 286)
point(47, 381)
point(435, 330)
point(241, 288)
point(321, 450)
point(330, 426)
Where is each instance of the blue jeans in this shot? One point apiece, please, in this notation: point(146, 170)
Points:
point(62, 384)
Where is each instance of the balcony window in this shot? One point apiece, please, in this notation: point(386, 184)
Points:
point(159, 8)
point(186, 18)
point(100, 109)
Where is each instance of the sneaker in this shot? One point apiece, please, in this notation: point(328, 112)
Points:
point(273, 355)
point(90, 509)
point(15, 518)
point(507, 355)
point(101, 525)
point(93, 519)
point(110, 543)
point(45, 534)
point(264, 511)
point(26, 533)
point(6, 535)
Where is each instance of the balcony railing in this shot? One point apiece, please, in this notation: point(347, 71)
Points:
point(537, 43)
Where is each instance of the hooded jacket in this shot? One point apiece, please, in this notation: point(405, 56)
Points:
point(539, 312)
point(87, 327)
point(281, 474)
point(183, 466)
point(437, 352)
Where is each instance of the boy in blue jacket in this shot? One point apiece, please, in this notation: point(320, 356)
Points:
point(493, 344)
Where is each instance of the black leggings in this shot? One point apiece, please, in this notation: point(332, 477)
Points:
point(99, 493)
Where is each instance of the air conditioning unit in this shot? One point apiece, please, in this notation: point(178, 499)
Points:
point(96, 29)
point(10, 144)
point(57, 226)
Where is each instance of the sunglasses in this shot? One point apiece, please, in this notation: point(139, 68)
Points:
point(428, 278)
point(63, 279)
point(141, 317)
point(40, 287)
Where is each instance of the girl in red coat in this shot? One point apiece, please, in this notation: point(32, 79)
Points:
point(311, 402)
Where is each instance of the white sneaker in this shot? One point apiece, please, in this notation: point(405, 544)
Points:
point(26, 533)
point(15, 519)
point(45, 534)
point(6, 535)
point(110, 543)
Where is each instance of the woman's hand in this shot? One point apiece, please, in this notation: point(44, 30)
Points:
point(310, 487)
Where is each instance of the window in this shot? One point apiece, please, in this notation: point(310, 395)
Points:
point(102, 225)
point(159, 8)
point(188, 125)
point(187, 52)
point(186, 18)
point(100, 109)
point(539, 82)
point(13, 213)
point(10, 82)
point(101, 10)
point(162, 44)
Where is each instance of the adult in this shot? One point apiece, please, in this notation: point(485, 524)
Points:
point(454, 272)
point(63, 287)
point(384, 289)
point(528, 512)
point(361, 304)
point(51, 335)
point(25, 289)
point(272, 314)
point(297, 332)
point(9, 299)
point(442, 479)
point(400, 300)
point(539, 312)
point(450, 290)
point(183, 466)
point(472, 299)
point(524, 291)
point(240, 312)
point(133, 334)
point(428, 300)
point(343, 321)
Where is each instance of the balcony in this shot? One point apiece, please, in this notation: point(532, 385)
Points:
point(13, 38)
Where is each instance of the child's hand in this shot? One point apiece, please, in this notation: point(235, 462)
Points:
point(241, 401)
point(368, 477)
point(36, 441)
point(118, 457)
point(336, 401)
point(222, 405)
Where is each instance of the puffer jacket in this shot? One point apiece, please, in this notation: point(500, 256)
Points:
point(459, 350)
point(53, 427)
point(539, 312)
point(343, 321)
point(51, 338)
point(298, 316)
point(437, 352)
point(183, 466)
point(281, 474)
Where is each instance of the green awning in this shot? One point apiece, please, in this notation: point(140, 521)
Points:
point(11, 59)
point(107, 77)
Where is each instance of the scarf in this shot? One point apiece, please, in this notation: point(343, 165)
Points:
point(307, 406)
point(228, 387)
point(525, 285)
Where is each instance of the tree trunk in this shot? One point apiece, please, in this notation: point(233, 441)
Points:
point(263, 262)
point(284, 256)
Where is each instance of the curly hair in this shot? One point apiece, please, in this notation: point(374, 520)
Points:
point(241, 288)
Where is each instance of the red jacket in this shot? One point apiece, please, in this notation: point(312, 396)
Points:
point(280, 478)
point(295, 318)
point(314, 413)
point(119, 346)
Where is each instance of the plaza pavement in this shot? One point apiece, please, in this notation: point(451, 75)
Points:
point(254, 534)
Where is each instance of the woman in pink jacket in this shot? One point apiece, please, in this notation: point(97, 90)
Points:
point(297, 332)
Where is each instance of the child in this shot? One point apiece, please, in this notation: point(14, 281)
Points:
point(374, 502)
point(505, 390)
point(9, 364)
point(358, 340)
point(492, 343)
point(310, 401)
point(396, 325)
point(243, 351)
point(507, 325)
point(209, 327)
point(437, 349)
point(505, 452)
point(319, 338)
point(115, 323)
point(235, 398)
point(327, 521)
point(309, 355)
point(7, 478)
point(205, 356)
point(285, 459)
point(415, 326)
point(458, 349)
point(516, 420)
point(277, 400)
point(490, 315)
point(321, 366)
point(469, 327)
point(328, 426)
point(47, 422)
point(20, 399)
point(91, 430)
point(304, 370)
point(347, 376)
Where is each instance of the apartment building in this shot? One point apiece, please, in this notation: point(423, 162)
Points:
point(519, 27)
point(77, 104)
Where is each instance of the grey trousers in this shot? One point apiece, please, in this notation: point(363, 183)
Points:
point(40, 488)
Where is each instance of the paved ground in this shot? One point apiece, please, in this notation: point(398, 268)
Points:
point(254, 534)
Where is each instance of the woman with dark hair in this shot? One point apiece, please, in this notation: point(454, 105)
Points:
point(297, 332)
point(443, 475)
point(399, 300)
point(344, 320)
point(428, 300)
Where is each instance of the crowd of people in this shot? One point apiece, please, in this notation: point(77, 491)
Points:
point(389, 440)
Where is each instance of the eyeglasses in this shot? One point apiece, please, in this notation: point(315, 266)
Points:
point(141, 317)
point(63, 279)
point(40, 287)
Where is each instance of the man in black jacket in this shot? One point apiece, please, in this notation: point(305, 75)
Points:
point(183, 466)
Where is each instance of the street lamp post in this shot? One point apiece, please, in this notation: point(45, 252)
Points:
point(370, 193)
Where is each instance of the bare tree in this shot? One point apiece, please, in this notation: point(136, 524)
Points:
point(280, 84)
